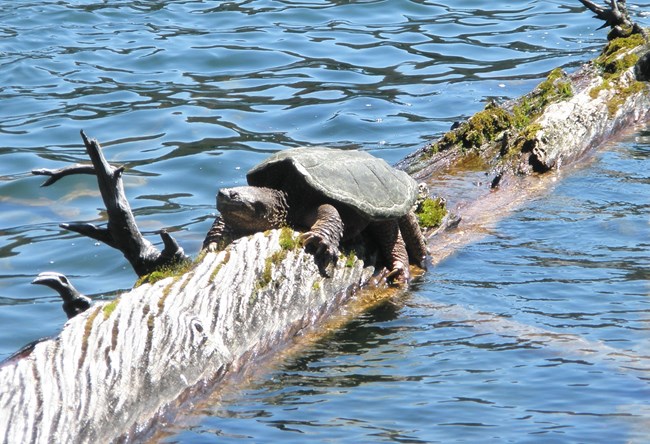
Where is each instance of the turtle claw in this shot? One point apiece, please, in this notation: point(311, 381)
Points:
point(399, 275)
point(324, 252)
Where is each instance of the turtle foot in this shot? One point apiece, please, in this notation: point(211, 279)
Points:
point(399, 275)
point(324, 251)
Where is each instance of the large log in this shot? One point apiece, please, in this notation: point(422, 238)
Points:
point(117, 367)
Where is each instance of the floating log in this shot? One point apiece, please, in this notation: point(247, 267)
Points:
point(120, 366)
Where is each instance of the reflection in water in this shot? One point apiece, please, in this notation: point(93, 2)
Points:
point(189, 94)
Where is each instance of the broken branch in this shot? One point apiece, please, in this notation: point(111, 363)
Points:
point(56, 175)
point(121, 232)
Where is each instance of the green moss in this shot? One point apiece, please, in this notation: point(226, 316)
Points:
point(553, 89)
point(621, 96)
point(166, 271)
point(522, 112)
point(593, 93)
point(430, 212)
point(315, 286)
point(267, 273)
point(485, 125)
point(618, 55)
point(615, 66)
point(350, 259)
point(615, 60)
point(623, 44)
point(525, 139)
point(564, 90)
point(287, 240)
point(110, 308)
point(488, 125)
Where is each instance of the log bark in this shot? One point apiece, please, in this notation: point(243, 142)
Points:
point(119, 366)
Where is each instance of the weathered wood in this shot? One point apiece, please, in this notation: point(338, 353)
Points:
point(118, 366)
point(121, 231)
point(556, 123)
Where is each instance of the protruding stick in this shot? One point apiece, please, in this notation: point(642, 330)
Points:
point(56, 175)
point(121, 231)
point(73, 301)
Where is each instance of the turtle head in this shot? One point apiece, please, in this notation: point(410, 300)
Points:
point(252, 209)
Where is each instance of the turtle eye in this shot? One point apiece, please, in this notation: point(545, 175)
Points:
point(63, 279)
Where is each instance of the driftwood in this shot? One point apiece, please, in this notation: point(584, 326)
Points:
point(120, 364)
point(121, 231)
point(118, 367)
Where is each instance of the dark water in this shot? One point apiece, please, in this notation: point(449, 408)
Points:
point(536, 333)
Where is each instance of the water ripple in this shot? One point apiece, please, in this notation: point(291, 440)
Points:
point(189, 94)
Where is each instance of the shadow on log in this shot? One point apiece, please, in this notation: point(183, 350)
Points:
point(120, 365)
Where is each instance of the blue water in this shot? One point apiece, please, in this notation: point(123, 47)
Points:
point(490, 345)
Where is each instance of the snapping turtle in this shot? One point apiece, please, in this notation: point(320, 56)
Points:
point(334, 195)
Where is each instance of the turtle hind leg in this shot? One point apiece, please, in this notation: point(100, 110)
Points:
point(389, 238)
point(324, 236)
point(416, 245)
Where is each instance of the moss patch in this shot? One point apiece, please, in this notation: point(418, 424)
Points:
point(617, 57)
point(110, 308)
point(430, 212)
point(287, 240)
point(166, 271)
point(488, 125)
point(619, 98)
point(485, 125)
point(555, 88)
point(350, 259)
point(267, 273)
point(524, 141)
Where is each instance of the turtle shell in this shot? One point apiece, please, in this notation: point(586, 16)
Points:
point(355, 178)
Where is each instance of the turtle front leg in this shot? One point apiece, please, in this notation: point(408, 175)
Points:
point(416, 245)
point(324, 236)
point(393, 248)
point(219, 235)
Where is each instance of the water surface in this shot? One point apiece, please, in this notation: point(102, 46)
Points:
point(189, 94)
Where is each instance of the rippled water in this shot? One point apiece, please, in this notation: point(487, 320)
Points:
point(190, 94)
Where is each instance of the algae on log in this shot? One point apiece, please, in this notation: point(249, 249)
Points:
point(119, 365)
